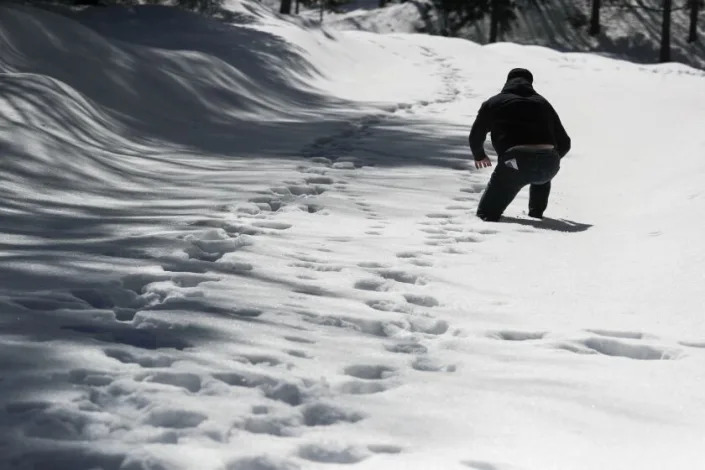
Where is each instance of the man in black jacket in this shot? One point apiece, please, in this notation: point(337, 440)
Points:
point(530, 142)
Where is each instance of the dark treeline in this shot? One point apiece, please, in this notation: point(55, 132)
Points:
point(664, 7)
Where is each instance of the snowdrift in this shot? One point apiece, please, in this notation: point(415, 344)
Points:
point(249, 245)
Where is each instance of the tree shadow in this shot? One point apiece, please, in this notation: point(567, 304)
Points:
point(557, 225)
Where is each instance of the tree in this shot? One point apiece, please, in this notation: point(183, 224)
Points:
point(455, 14)
point(694, 6)
point(666, 9)
point(595, 18)
point(285, 7)
point(665, 53)
point(501, 16)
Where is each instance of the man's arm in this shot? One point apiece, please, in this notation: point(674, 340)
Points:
point(562, 138)
point(479, 131)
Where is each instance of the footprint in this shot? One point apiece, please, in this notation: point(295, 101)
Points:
point(274, 389)
point(297, 339)
point(89, 377)
point(614, 348)
point(370, 372)
point(372, 265)
point(618, 334)
point(298, 353)
point(315, 291)
point(421, 300)
point(403, 277)
point(517, 335)
point(190, 382)
point(332, 453)
point(312, 208)
point(421, 262)
point(258, 359)
point(323, 414)
point(406, 347)
point(693, 344)
point(319, 180)
point(370, 284)
point(409, 254)
point(467, 239)
point(385, 448)
point(261, 463)
point(479, 465)
point(429, 326)
point(143, 360)
point(272, 225)
point(363, 388)
point(426, 364)
point(174, 418)
point(273, 203)
point(384, 305)
point(273, 426)
point(316, 266)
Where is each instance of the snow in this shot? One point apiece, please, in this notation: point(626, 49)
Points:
point(251, 246)
point(626, 31)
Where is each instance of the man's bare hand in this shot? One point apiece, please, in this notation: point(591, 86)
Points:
point(484, 163)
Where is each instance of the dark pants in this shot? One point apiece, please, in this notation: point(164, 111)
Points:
point(535, 167)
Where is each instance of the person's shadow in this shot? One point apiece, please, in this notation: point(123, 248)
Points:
point(558, 225)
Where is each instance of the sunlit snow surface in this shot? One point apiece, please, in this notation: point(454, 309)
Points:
point(251, 246)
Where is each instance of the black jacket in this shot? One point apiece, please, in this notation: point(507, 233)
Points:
point(517, 116)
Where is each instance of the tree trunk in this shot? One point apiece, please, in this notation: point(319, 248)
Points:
point(595, 18)
point(694, 10)
point(665, 55)
point(322, 3)
point(443, 19)
point(494, 20)
point(297, 6)
point(285, 8)
point(382, 3)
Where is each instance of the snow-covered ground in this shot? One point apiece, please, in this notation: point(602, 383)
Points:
point(627, 32)
point(251, 246)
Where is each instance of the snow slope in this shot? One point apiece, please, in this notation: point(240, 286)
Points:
point(628, 33)
point(250, 246)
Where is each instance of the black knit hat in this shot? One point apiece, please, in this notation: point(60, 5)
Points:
point(520, 73)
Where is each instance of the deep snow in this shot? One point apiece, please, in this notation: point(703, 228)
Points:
point(250, 246)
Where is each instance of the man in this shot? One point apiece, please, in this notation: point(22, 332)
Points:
point(530, 142)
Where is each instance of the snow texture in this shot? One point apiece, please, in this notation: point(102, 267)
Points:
point(249, 244)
